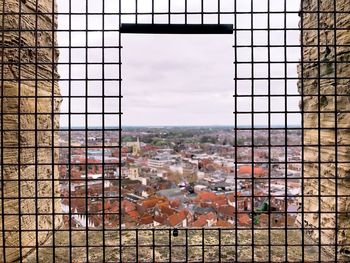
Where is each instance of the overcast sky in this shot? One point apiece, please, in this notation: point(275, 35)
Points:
point(178, 79)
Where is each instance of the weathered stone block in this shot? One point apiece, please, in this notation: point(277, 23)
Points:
point(22, 176)
point(320, 111)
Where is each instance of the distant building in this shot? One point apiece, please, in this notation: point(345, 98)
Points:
point(158, 162)
point(134, 174)
point(136, 146)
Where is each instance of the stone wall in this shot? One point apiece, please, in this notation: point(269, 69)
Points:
point(322, 109)
point(19, 123)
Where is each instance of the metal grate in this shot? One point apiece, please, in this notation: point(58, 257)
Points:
point(50, 213)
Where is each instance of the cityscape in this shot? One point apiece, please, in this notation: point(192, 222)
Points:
point(195, 177)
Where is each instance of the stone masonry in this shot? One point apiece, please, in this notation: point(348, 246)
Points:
point(27, 88)
point(323, 109)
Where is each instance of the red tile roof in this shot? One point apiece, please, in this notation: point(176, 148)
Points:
point(231, 197)
point(146, 219)
point(165, 209)
point(161, 219)
point(151, 202)
point(175, 203)
point(177, 218)
point(200, 222)
point(221, 202)
point(244, 220)
point(226, 210)
point(222, 223)
point(128, 206)
point(210, 196)
point(220, 197)
point(248, 169)
point(133, 214)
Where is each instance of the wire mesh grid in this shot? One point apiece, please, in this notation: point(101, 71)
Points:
point(59, 112)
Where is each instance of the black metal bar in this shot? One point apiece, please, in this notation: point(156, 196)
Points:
point(176, 29)
point(52, 126)
point(269, 122)
point(36, 137)
point(252, 123)
point(2, 138)
point(69, 170)
point(319, 239)
point(103, 143)
point(86, 121)
point(336, 128)
point(119, 88)
point(235, 125)
point(303, 128)
point(19, 84)
point(190, 13)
